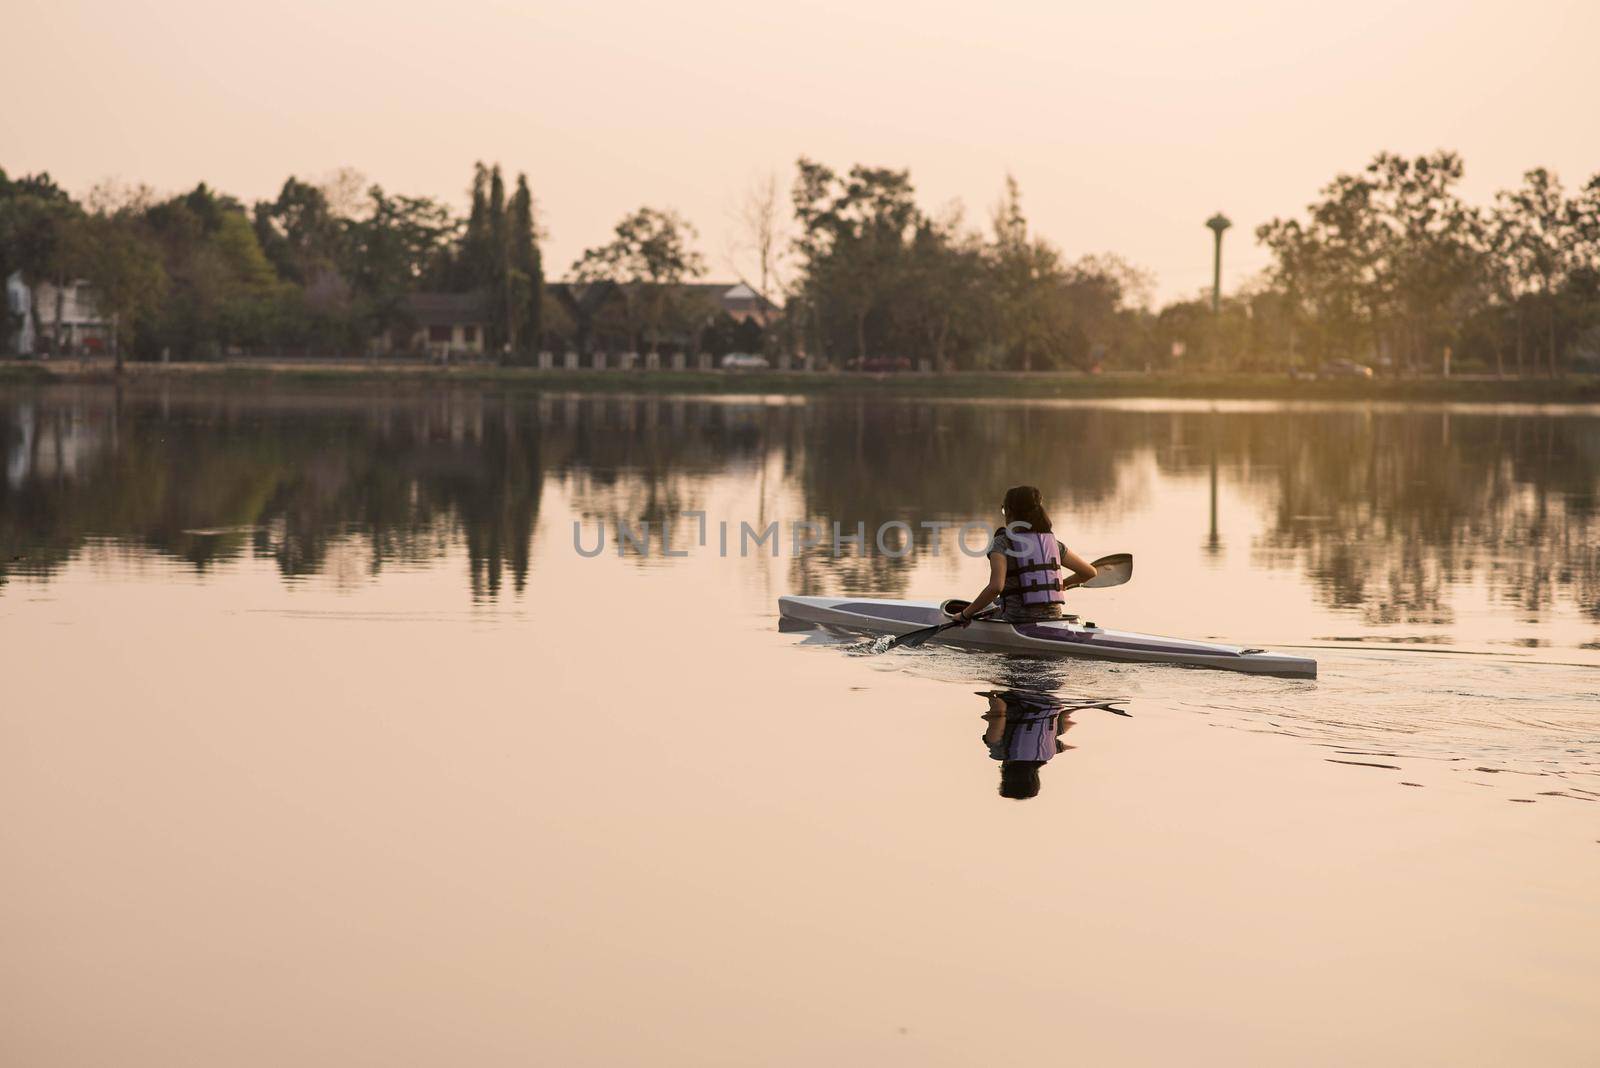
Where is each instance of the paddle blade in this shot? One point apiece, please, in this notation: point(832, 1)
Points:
point(916, 637)
point(1111, 570)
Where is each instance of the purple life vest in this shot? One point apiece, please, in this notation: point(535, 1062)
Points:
point(1033, 569)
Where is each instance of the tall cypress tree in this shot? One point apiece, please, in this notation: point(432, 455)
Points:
point(501, 328)
point(476, 245)
point(528, 268)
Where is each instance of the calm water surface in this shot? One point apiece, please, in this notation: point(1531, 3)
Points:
point(323, 744)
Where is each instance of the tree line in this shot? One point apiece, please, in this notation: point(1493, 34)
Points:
point(877, 275)
point(1391, 261)
point(321, 268)
point(1389, 265)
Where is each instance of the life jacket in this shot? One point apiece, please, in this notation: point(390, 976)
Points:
point(1034, 576)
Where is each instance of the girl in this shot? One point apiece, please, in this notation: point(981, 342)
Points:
point(1025, 563)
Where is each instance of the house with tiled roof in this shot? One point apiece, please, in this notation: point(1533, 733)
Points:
point(446, 326)
point(595, 313)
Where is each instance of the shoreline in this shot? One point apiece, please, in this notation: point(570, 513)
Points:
point(1052, 385)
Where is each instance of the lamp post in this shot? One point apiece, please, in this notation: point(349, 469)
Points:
point(1218, 223)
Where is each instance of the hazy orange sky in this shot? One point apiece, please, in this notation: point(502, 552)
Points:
point(1126, 123)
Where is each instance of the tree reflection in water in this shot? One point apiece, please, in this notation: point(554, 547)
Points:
point(1386, 510)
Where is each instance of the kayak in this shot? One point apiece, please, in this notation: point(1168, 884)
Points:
point(1068, 637)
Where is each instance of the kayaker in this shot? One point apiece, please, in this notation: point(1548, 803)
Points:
point(1025, 564)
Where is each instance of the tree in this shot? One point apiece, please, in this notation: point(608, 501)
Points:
point(945, 303)
point(1030, 318)
point(222, 291)
point(1330, 266)
point(526, 272)
point(498, 256)
point(402, 245)
point(1388, 259)
point(855, 231)
point(1537, 236)
point(648, 258)
point(497, 268)
point(1498, 238)
point(1429, 257)
point(475, 258)
point(299, 232)
point(123, 264)
point(760, 234)
point(37, 223)
point(1094, 293)
point(1583, 222)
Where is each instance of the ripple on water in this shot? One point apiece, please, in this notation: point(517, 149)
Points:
point(1475, 714)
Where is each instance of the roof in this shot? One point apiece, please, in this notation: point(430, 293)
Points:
point(448, 309)
point(726, 296)
point(733, 296)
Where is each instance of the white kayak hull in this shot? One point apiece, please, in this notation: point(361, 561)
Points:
point(869, 615)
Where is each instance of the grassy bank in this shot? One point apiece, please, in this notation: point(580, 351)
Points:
point(1570, 390)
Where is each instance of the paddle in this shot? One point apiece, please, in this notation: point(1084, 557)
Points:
point(917, 637)
point(1111, 570)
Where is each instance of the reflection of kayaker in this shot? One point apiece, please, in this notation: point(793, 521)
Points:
point(1024, 732)
point(1025, 564)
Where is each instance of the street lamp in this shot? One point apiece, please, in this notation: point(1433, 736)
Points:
point(1218, 223)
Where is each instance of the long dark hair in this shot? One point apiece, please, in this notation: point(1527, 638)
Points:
point(1024, 505)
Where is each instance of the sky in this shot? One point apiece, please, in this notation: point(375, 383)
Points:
point(1127, 124)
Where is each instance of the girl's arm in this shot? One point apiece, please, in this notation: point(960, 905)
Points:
point(997, 582)
point(1082, 570)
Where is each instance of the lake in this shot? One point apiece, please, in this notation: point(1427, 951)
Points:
point(330, 739)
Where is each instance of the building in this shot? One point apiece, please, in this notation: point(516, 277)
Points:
point(446, 326)
point(596, 316)
point(738, 301)
point(54, 320)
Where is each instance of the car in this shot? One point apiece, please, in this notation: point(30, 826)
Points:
point(744, 361)
point(1344, 369)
